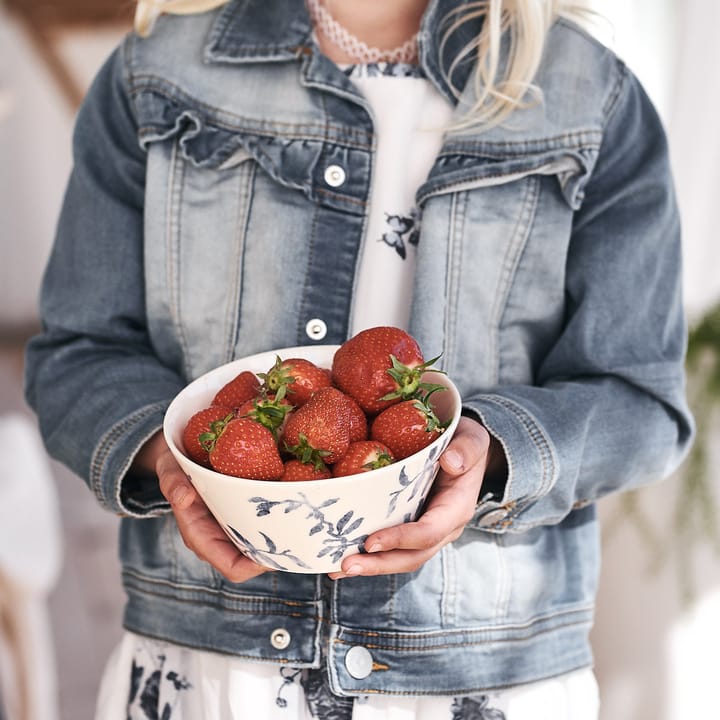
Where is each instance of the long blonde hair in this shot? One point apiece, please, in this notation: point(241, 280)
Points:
point(500, 86)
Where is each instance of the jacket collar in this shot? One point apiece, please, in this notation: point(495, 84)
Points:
point(261, 31)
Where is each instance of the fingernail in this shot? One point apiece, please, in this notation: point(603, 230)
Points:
point(353, 570)
point(178, 495)
point(375, 547)
point(454, 459)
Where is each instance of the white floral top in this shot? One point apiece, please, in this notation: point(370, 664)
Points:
point(409, 116)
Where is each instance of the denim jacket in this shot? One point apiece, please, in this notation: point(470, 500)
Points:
point(198, 227)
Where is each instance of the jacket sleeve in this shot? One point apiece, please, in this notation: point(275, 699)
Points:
point(608, 409)
point(91, 375)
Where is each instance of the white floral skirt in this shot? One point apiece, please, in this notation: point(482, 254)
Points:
point(147, 679)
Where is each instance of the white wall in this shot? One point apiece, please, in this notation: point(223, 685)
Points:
point(35, 157)
point(655, 637)
point(34, 132)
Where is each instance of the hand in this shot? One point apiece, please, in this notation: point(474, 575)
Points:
point(199, 530)
point(406, 547)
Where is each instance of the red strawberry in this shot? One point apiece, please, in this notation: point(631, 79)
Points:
point(296, 470)
point(363, 456)
point(406, 427)
point(300, 377)
point(319, 431)
point(202, 424)
point(379, 367)
point(246, 449)
point(358, 421)
point(241, 388)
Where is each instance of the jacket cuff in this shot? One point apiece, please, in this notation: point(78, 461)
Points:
point(110, 480)
point(531, 463)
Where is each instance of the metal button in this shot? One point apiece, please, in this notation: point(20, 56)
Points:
point(493, 517)
point(316, 329)
point(359, 662)
point(334, 175)
point(280, 638)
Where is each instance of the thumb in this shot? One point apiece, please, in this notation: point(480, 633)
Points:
point(468, 447)
point(174, 483)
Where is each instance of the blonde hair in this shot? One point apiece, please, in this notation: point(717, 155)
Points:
point(499, 87)
point(503, 79)
point(148, 11)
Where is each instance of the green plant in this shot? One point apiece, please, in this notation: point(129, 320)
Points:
point(695, 522)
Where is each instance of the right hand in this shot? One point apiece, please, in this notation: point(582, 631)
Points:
point(199, 530)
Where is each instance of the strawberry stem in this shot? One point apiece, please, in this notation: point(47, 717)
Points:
point(217, 427)
point(277, 378)
point(307, 454)
point(408, 379)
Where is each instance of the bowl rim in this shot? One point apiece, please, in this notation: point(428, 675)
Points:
point(171, 414)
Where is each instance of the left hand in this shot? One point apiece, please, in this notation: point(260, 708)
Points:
point(406, 547)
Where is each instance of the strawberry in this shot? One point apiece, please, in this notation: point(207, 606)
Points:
point(202, 424)
point(358, 421)
point(378, 367)
point(297, 470)
point(363, 456)
point(246, 449)
point(241, 388)
point(319, 431)
point(406, 427)
point(300, 377)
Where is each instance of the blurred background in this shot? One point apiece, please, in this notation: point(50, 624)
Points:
point(658, 619)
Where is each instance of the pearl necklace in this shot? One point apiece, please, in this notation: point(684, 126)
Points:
point(353, 46)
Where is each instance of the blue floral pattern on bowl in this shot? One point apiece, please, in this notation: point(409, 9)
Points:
point(339, 537)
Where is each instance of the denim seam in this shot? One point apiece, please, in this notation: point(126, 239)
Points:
point(144, 584)
point(579, 140)
point(309, 254)
point(342, 198)
point(611, 103)
point(105, 447)
point(452, 284)
point(440, 693)
point(511, 261)
point(373, 640)
point(234, 296)
point(537, 436)
point(218, 118)
point(150, 130)
point(173, 255)
point(440, 188)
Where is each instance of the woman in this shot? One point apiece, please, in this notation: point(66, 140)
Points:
point(257, 175)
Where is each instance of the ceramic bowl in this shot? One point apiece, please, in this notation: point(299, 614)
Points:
point(307, 526)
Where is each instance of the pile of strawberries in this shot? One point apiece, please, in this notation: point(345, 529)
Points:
point(298, 421)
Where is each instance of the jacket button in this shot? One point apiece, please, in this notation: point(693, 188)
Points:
point(316, 329)
point(334, 175)
point(358, 662)
point(280, 638)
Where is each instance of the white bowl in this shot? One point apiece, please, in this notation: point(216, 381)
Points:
point(307, 526)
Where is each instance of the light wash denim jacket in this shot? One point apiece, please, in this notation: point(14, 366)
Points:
point(198, 227)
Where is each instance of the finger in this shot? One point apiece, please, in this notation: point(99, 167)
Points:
point(385, 563)
point(449, 509)
point(469, 447)
point(203, 535)
point(174, 483)
point(198, 528)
